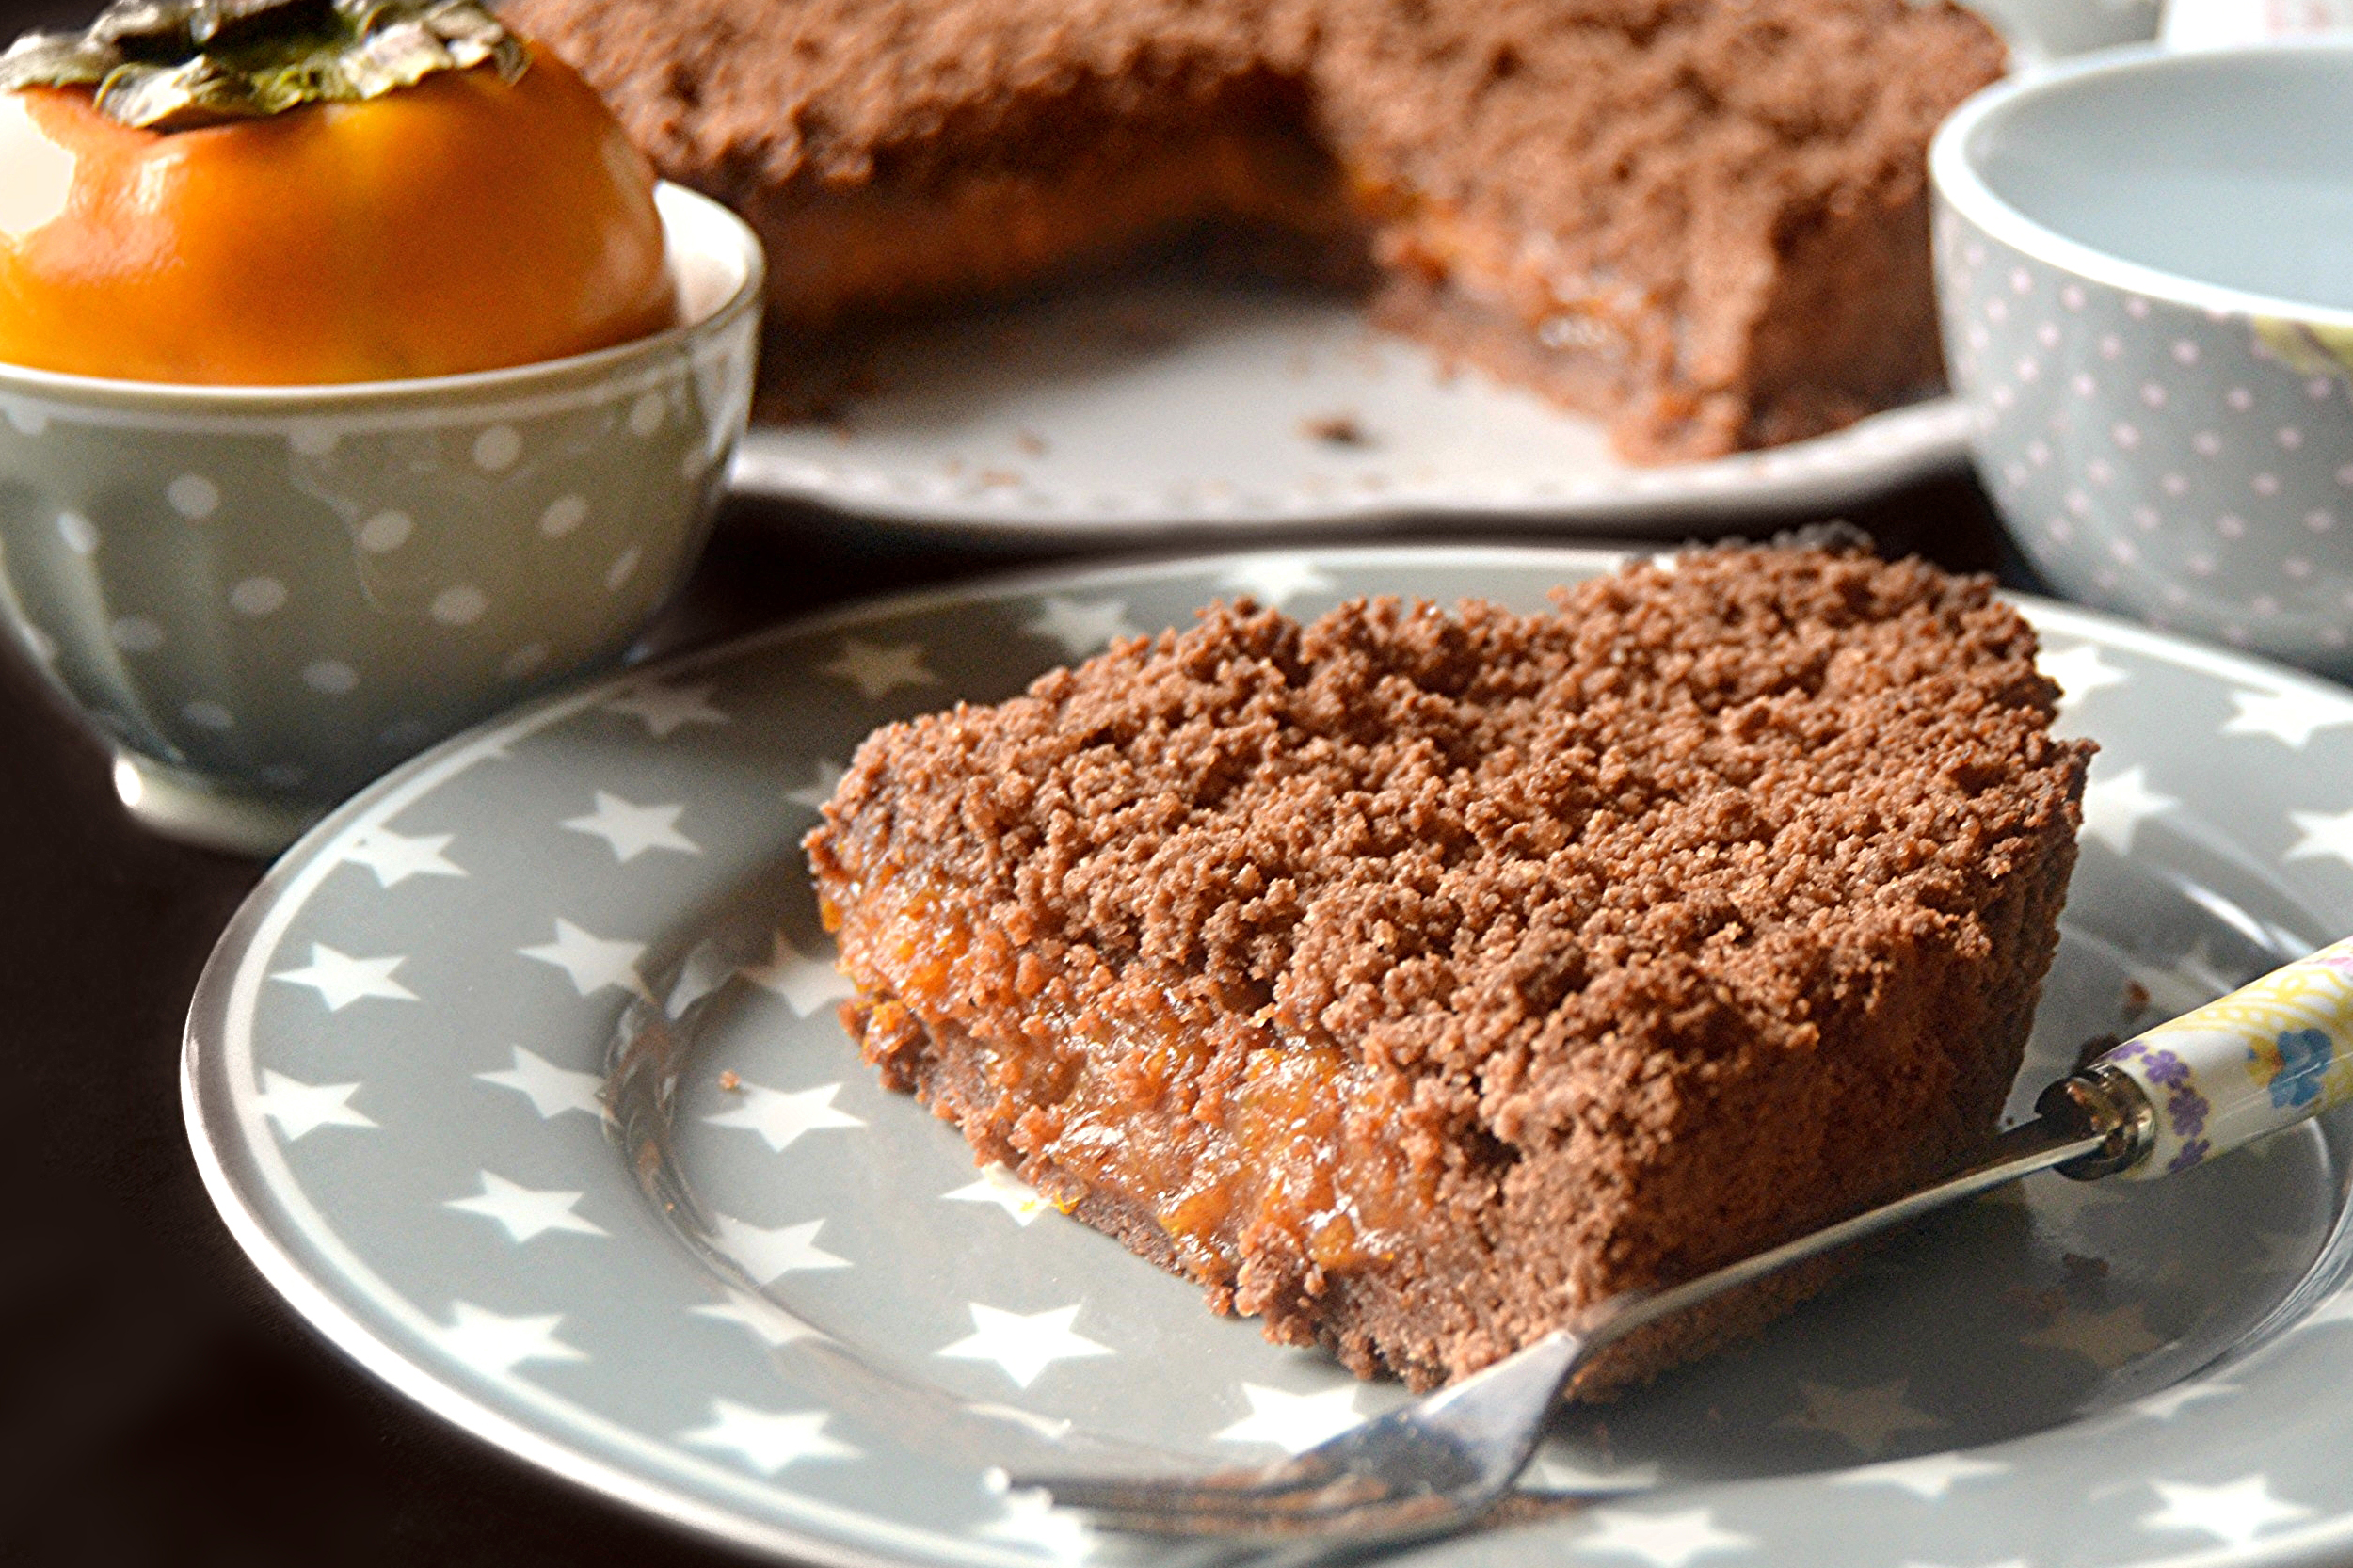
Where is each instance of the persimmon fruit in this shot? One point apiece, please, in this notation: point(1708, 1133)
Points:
point(471, 219)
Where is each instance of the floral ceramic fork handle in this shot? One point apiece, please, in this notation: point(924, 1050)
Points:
point(2267, 1056)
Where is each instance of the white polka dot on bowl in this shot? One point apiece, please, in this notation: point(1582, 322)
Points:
point(193, 496)
point(386, 531)
point(564, 514)
point(460, 606)
point(331, 676)
point(496, 448)
point(258, 595)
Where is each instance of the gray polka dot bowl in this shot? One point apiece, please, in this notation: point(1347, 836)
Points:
point(266, 596)
point(2142, 263)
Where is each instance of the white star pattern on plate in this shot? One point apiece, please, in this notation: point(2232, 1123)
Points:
point(524, 1211)
point(301, 1108)
point(632, 830)
point(394, 857)
point(1554, 1470)
point(768, 1256)
point(1031, 1519)
point(782, 1116)
point(2235, 1512)
point(2289, 717)
point(1081, 628)
point(553, 1090)
point(1008, 1192)
point(822, 782)
point(2164, 1406)
point(2107, 1340)
point(593, 962)
point(1929, 1477)
point(664, 709)
point(1292, 1422)
point(2078, 672)
point(2323, 834)
point(877, 669)
point(806, 981)
point(1274, 580)
point(342, 980)
point(768, 1440)
point(494, 1342)
point(1866, 1417)
point(2114, 809)
point(1053, 1429)
point(1661, 1540)
point(704, 973)
point(1024, 1344)
point(770, 1322)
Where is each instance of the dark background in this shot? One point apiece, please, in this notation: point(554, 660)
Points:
point(158, 1403)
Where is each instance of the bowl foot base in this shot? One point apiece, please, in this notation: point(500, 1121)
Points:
point(193, 810)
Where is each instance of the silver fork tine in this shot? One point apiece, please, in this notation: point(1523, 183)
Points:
point(1363, 1524)
point(1103, 1494)
point(1405, 1463)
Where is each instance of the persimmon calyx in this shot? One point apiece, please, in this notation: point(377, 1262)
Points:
point(173, 65)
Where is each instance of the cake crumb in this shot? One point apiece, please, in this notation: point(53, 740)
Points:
point(2135, 998)
point(1030, 442)
point(728, 1082)
point(1334, 429)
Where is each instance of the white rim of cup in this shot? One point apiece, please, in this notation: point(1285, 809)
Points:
point(1954, 175)
point(679, 207)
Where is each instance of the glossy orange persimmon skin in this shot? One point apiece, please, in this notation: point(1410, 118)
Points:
point(465, 223)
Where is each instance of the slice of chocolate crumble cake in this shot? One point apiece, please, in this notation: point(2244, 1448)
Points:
point(1413, 978)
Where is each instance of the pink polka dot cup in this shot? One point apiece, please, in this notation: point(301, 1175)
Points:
point(2143, 267)
point(264, 596)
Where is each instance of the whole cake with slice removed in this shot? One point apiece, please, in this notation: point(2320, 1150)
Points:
point(1704, 220)
point(1413, 978)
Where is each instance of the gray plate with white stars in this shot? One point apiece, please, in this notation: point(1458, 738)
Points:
point(519, 1076)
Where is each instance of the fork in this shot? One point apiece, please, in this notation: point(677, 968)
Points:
point(2272, 1053)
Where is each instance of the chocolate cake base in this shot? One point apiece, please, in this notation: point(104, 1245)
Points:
point(1414, 981)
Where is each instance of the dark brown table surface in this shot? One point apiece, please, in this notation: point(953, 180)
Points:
point(158, 1403)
